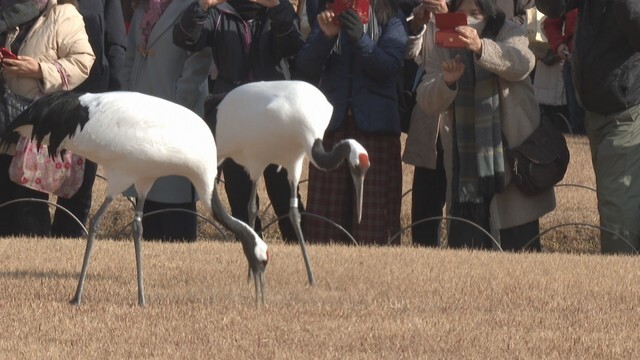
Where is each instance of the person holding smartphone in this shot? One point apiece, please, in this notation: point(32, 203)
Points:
point(54, 54)
point(358, 66)
point(483, 93)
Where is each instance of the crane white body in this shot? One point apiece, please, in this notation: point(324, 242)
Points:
point(136, 138)
point(279, 122)
point(183, 146)
point(275, 120)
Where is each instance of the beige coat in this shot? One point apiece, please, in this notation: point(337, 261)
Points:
point(57, 37)
point(420, 146)
point(510, 58)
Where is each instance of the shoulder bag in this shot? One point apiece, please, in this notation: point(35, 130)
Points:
point(11, 105)
point(541, 161)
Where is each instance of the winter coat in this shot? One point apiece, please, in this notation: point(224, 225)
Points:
point(363, 77)
point(510, 58)
point(57, 38)
point(104, 23)
point(606, 55)
point(169, 72)
point(421, 145)
point(241, 57)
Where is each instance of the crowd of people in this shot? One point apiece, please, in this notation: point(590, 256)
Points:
point(471, 102)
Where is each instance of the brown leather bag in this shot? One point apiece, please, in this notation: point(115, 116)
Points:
point(541, 161)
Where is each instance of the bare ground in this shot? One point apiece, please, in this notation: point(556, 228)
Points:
point(568, 302)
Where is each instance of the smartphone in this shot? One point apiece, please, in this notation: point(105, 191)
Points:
point(6, 53)
point(446, 36)
point(361, 7)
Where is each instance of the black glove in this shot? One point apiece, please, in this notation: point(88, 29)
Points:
point(351, 23)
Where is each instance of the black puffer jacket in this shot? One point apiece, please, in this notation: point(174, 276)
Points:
point(243, 51)
point(606, 57)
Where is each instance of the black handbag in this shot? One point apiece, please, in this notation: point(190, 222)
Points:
point(11, 105)
point(541, 161)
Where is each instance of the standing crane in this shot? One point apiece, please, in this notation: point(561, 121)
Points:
point(136, 138)
point(279, 122)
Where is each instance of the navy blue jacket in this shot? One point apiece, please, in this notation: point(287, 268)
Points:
point(363, 77)
point(104, 23)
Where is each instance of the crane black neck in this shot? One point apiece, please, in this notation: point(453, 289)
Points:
point(330, 160)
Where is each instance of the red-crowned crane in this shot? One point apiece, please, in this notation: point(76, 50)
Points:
point(136, 138)
point(278, 122)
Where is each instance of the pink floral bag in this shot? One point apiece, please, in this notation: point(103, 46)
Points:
point(35, 169)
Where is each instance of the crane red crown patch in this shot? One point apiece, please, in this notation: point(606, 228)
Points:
point(364, 161)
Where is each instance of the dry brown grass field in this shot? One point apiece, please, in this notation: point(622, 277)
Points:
point(567, 302)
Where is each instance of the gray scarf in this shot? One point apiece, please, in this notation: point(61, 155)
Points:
point(479, 165)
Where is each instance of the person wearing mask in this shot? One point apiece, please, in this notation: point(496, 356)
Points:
point(484, 93)
point(358, 66)
point(250, 41)
point(605, 63)
point(54, 54)
point(104, 23)
point(423, 147)
point(154, 65)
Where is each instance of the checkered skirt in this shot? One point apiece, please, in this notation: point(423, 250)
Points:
point(331, 193)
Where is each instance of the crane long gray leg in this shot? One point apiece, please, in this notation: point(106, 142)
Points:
point(294, 216)
point(252, 212)
point(93, 229)
point(252, 207)
point(137, 242)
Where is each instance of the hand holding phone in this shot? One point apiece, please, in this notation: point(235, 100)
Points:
point(447, 36)
point(361, 7)
point(7, 54)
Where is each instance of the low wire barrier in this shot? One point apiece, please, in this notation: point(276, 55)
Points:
point(330, 222)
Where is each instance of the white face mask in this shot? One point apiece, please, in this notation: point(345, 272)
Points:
point(475, 23)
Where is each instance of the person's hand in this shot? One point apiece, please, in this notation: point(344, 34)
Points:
point(563, 52)
point(205, 4)
point(421, 17)
point(452, 70)
point(471, 38)
point(24, 66)
point(435, 6)
point(326, 21)
point(351, 23)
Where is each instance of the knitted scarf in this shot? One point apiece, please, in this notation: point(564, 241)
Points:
point(478, 168)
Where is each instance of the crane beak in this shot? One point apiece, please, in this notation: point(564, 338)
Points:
point(258, 281)
point(358, 181)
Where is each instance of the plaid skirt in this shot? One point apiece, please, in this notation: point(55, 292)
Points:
point(331, 194)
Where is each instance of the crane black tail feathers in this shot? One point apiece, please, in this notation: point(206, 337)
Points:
point(57, 115)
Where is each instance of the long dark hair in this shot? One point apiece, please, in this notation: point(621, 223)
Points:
point(385, 10)
point(495, 17)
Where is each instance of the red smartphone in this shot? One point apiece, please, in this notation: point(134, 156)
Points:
point(446, 36)
point(6, 53)
point(361, 7)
